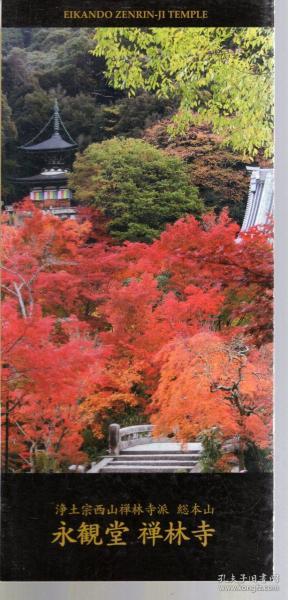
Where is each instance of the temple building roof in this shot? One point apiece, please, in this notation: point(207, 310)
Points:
point(259, 206)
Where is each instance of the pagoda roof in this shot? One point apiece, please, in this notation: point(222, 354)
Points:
point(55, 142)
point(43, 178)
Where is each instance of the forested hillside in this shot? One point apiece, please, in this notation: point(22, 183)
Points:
point(41, 63)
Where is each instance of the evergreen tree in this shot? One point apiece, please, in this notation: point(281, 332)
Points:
point(139, 188)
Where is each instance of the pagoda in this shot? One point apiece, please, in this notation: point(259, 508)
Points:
point(49, 189)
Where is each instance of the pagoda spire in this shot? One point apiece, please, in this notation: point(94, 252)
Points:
point(56, 116)
point(55, 143)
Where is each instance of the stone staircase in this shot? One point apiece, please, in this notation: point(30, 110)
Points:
point(134, 450)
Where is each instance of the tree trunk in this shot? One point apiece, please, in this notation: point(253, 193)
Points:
point(7, 425)
point(242, 466)
point(32, 458)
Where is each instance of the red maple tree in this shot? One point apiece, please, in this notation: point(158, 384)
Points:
point(50, 361)
point(90, 326)
point(209, 382)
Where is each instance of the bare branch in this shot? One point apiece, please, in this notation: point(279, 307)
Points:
point(20, 300)
point(9, 290)
point(24, 433)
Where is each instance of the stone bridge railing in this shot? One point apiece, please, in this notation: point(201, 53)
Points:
point(126, 437)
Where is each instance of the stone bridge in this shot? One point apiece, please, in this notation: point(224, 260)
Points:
point(135, 450)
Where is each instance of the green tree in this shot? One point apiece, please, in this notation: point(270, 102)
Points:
point(211, 454)
point(222, 76)
point(129, 117)
point(138, 187)
point(8, 142)
point(12, 37)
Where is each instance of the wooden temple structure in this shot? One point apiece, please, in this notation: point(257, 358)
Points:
point(260, 203)
point(49, 189)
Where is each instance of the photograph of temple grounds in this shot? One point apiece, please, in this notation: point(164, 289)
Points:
point(137, 223)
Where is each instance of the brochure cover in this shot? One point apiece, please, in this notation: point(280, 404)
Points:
point(137, 291)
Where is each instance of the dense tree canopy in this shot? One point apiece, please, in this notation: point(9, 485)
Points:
point(194, 281)
point(150, 306)
point(49, 359)
point(207, 382)
point(39, 64)
point(219, 173)
point(9, 135)
point(221, 75)
point(115, 325)
point(139, 188)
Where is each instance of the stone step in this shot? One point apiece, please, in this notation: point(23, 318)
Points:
point(154, 462)
point(165, 457)
point(111, 468)
point(162, 447)
point(132, 452)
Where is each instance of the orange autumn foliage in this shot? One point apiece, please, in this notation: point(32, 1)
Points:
point(207, 381)
point(127, 321)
